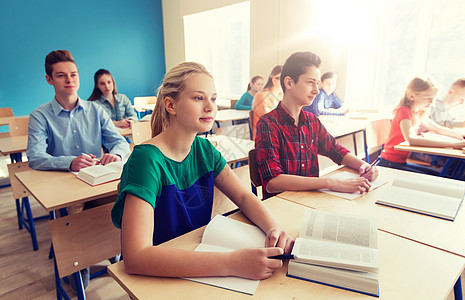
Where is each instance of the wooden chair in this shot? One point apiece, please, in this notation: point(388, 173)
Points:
point(6, 112)
point(141, 131)
point(82, 240)
point(255, 178)
point(233, 103)
point(19, 126)
point(250, 124)
point(23, 208)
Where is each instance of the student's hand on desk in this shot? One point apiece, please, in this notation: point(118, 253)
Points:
point(254, 263)
point(351, 185)
point(124, 123)
point(108, 158)
point(276, 237)
point(82, 161)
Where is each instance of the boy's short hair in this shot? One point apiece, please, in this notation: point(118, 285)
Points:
point(459, 83)
point(296, 65)
point(56, 57)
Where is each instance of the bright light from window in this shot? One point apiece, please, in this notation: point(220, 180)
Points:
point(220, 40)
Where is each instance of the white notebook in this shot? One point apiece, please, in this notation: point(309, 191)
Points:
point(226, 235)
point(430, 195)
point(351, 196)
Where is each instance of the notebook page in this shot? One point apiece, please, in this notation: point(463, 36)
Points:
point(229, 233)
point(243, 285)
point(351, 196)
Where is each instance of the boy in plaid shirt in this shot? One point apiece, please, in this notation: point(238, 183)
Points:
point(288, 140)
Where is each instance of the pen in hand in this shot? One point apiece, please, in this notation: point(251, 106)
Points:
point(371, 166)
point(282, 256)
point(93, 158)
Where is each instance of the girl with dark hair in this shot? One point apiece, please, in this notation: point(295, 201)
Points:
point(118, 106)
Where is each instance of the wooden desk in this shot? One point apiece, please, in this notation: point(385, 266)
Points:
point(15, 144)
point(406, 270)
point(125, 131)
point(143, 107)
point(233, 149)
point(59, 189)
point(223, 104)
point(340, 127)
point(448, 152)
point(445, 235)
point(231, 115)
point(6, 120)
point(456, 157)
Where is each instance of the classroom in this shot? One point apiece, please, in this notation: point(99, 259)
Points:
point(373, 48)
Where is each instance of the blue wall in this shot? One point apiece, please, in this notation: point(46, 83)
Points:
point(125, 37)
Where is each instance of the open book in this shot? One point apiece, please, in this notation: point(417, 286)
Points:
point(98, 174)
point(351, 196)
point(338, 250)
point(226, 235)
point(429, 195)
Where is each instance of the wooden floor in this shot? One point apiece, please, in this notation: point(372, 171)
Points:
point(27, 274)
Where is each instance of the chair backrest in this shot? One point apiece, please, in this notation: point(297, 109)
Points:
point(141, 131)
point(18, 189)
point(253, 169)
point(6, 112)
point(145, 100)
point(84, 239)
point(250, 124)
point(378, 132)
point(19, 126)
point(233, 103)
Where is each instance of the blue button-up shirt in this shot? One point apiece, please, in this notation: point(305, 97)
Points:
point(57, 135)
point(122, 110)
point(325, 104)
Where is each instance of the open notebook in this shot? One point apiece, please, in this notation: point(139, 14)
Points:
point(226, 235)
point(351, 196)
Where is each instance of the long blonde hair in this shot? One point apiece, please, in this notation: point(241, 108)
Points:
point(416, 85)
point(173, 84)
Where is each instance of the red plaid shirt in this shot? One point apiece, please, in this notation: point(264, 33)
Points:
point(283, 148)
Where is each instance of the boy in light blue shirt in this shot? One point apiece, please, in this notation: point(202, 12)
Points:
point(68, 132)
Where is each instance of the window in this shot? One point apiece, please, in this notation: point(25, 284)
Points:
point(403, 39)
point(220, 40)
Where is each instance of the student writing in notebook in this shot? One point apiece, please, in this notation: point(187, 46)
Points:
point(255, 86)
point(408, 124)
point(68, 132)
point(118, 106)
point(289, 139)
point(167, 189)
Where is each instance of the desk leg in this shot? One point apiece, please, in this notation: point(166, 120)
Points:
point(446, 167)
point(365, 146)
point(458, 289)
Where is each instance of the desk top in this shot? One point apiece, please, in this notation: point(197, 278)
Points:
point(6, 120)
point(340, 126)
point(58, 189)
point(231, 115)
point(448, 152)
point(406, 270)
point(232, 148)
point(142, 107)
point(125, 131)
point(13, 144)
point(440, 233)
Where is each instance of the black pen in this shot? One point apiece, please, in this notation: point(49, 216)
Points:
point(371, 165)
point(282, 256)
